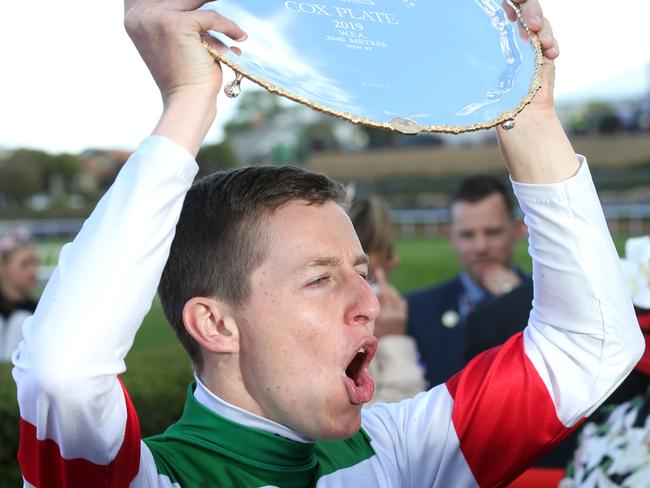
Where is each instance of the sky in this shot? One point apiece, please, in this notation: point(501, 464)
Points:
point(71, 78)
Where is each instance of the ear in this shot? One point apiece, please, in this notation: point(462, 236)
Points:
point(211, 324)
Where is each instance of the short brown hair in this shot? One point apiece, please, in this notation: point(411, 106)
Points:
point(220, 236)
point(371, 219)
point(475, 188)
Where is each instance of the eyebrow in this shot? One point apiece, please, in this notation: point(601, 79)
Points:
point(333, 261)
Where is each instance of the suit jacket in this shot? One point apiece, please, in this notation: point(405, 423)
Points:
point(495, 321)
point(441, 346)
point(444, 338)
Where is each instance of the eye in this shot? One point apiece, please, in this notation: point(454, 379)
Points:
point(319, 281)
point(364, 275)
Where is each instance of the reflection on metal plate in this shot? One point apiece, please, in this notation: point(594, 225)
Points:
point(411, 65)
point(406, 126)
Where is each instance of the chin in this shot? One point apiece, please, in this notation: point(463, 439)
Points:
point(343, 426)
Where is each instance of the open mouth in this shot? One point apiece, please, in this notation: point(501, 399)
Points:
point(358, 382)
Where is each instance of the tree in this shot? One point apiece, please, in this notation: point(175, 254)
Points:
point(216, 156)
point(255, 109)
point(60, 172)
point(378, 137)
point(21, 175)
point(28, 172)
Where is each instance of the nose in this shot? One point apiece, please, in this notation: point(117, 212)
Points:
point(362, 304)
point(480, 243)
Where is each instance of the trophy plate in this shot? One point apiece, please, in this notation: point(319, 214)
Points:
point(406, 65)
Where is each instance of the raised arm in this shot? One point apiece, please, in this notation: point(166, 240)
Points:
point(78, 427)
point(169, 35)
point(513, 403)
point(583, 337)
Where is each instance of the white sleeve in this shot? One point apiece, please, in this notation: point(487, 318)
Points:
point(74, 346)
point(583, 336)
point(512, 403)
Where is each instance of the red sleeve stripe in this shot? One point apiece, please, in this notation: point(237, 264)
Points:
point(43, 466)
point(503, 414)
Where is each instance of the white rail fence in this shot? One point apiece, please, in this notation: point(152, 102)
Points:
point(624, 219)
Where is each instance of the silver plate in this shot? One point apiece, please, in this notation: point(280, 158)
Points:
point(407, 65)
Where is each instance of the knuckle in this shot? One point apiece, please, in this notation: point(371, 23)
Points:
point(216, 19)
point(131, 21)
point(142, 21)
point(165, 21)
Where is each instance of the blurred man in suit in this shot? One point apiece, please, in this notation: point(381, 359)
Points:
point(483, 232)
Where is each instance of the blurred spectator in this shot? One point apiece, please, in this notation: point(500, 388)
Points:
point(18, 278)
point(614, 446)
point(395, 368)
point(493, 322)
point(483, 232)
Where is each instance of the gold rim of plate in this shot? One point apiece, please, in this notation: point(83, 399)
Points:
point(535, 85)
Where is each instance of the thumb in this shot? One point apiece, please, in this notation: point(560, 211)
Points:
point(548, 73)
point(383, 288)
point(387, 293)
point(380, 277)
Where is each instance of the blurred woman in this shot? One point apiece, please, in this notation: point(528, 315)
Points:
point(395, 368)
point(18, 279)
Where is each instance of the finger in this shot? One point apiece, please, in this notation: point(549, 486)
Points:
point(387, 292)
point(186, 5)
point(213, 44)
point(212, 20)
point(553, 51)
point(512, 16)
point(380, 277)
point(391, 294)
point(532, 13)
point(490, 284)
point(499, 275)
point(546, 35)
point(523, 33)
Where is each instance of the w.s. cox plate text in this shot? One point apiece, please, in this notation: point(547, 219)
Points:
point(350, 20)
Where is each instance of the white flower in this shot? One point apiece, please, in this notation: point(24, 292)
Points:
point(625, 447)
point(636, 267)
point(639, 479)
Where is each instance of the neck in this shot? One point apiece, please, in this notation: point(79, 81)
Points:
point(224, 380)
point(239, 414)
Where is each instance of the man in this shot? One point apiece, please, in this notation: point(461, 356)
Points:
point(483, 232)
point(274, 309)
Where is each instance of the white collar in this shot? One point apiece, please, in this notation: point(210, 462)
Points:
point(236, 414)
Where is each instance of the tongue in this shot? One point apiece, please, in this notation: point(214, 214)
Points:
point(362, 390)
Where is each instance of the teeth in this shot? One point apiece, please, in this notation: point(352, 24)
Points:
point(362, 350)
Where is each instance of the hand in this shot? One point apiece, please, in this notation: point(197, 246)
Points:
point(169, 35)
point(538, 24)
point(537, 150)
point(393, 308)
point(532, 13)
point(499, 280)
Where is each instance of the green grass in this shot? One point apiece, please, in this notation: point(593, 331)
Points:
point(428, 261)
point(158, 371)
